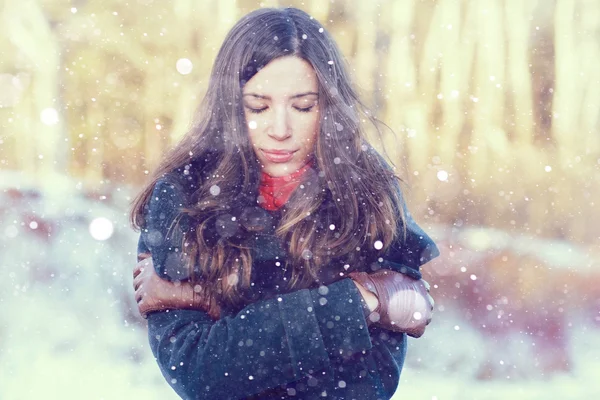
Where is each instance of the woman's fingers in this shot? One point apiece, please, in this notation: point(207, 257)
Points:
point(427, 293)
point(143, 256)
point(141, 272)
point(427, 285)
point(147, 285)
point(137, 281)
point(141, 266)
point(140, 292)
point(432, 303)
point(143, 260)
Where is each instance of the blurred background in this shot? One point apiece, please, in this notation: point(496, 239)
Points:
point(495, 106)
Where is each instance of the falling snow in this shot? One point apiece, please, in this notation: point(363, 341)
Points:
point(215, 190)
point(184, 66)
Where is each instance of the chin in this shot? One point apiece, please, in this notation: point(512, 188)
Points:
point(280, 169)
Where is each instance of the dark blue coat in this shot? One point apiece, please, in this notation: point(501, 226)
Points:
point(306, 344)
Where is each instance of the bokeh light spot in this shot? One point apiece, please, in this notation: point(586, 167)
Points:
point(101, 228)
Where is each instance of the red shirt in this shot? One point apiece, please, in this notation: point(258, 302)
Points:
point(276, 190)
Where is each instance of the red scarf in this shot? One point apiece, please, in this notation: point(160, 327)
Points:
point(276, 190)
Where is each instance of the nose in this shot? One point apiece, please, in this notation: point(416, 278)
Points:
point(280, 126)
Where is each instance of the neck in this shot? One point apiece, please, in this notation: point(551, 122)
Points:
point(276, 190)
point(270, 179)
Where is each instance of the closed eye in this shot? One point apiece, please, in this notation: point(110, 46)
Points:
point(256, 110)
point(304, 109)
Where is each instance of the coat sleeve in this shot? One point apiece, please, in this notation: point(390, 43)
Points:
point(266, 344)
point(410, 250)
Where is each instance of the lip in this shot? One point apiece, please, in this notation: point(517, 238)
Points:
point(279, 151)
point(278, 156)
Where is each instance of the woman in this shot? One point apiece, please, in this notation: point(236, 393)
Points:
point(293, 263)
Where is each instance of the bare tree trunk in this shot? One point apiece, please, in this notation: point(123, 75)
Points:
point(489, 140)
point(453, 90)
point(518, 14)
point(29, 30)
point(400, 85)
point(567, 86)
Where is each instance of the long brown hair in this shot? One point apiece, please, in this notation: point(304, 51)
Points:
point(348, 172)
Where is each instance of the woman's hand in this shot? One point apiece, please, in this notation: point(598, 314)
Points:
point(152, 293)
point(369, 298)
point(404, 303)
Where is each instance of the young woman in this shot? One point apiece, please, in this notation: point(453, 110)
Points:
point(283, 261)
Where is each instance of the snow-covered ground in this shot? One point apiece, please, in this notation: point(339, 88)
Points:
point(69, 327)
point(451, 375)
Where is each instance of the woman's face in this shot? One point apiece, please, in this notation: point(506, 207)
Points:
point(282, 113)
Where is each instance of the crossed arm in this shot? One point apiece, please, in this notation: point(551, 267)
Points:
point(394, 301)
point(203, 354)
point(267, 344)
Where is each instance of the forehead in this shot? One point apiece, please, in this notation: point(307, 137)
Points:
point(284, 76)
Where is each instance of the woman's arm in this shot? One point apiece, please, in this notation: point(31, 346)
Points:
point(266, 344)
point(153, 293)
point(413, 247)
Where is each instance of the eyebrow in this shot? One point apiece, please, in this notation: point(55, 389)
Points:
point(260, 96)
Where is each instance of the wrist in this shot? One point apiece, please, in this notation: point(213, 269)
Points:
point(369, 298)
point(188, 298)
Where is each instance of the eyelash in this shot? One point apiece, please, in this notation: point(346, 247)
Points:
point(260, 110)
point(304, 110)
point(256, 110)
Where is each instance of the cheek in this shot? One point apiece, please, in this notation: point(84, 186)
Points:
point(312, 139)
point(251, 122)
point(311, 130)
point(254, 138)
point(253, 128)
